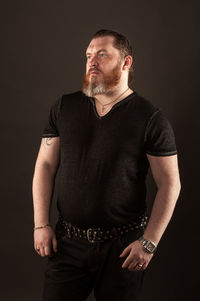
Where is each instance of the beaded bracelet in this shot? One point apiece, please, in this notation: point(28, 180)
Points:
point(41, 227)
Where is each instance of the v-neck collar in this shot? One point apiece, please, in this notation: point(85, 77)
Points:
point(119, 103)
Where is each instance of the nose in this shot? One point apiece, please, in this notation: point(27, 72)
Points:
point(93, 62)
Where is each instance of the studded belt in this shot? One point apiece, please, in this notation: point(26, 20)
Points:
point(100, 234)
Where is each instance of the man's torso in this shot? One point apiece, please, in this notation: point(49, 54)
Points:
point(103, 161)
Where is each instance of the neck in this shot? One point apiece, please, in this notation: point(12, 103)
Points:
point(113, 94)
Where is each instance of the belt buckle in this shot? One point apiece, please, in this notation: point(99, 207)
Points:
point(88, 236)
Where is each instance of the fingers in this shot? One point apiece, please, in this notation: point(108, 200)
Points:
point(129, 260)
point(137, 259)
point(137, 267)
point(44, 251)
point(145, 265)
point(134, 263)
point(126, 251)
point(54, 243)
point(45, 242)
point(47, 251)
point(132, 267)
point(37, 250)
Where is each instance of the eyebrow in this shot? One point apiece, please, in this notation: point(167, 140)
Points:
point(98, 51)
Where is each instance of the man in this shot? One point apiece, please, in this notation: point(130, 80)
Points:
point(103, 138)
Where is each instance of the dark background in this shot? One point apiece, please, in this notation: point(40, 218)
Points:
point(42, 57)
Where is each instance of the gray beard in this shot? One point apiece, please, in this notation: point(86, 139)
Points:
point(94, 89)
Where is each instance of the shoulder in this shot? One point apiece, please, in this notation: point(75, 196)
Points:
point(144, 106)
point(71, 99)
point(155, 117)
point(72, 96)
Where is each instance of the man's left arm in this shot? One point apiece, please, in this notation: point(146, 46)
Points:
point(166, 175)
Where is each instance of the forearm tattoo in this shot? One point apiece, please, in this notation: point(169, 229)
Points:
point(48, 141)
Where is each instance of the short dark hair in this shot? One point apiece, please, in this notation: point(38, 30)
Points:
point(122, 44)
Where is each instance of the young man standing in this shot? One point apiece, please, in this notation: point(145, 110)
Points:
point(103, 138)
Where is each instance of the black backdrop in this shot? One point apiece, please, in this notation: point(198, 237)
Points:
point(42, 57)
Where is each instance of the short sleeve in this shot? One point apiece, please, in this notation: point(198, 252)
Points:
point(159, 136)
point(51, 127)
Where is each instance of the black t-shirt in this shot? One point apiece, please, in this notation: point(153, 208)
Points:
point(103, 162)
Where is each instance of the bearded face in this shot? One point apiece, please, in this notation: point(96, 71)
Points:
point(95, 81)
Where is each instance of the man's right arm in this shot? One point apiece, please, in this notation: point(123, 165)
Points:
point(42, 188)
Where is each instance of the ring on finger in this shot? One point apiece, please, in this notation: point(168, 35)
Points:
point(131, 266)
point(140, 265)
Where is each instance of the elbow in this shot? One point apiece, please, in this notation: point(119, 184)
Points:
point(178, 187)
point(46, 167)
point(175, 188)
point(171, 186)
point(51, 168)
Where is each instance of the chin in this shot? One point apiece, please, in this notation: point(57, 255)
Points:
point(91, 86)
point(91, 90)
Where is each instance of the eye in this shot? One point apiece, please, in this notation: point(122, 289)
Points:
point(102, 54)
point(88, 57)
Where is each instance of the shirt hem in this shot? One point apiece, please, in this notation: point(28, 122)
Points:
point(49, 135)
point(162, 154)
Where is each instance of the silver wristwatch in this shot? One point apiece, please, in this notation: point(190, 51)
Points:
point(149, 246)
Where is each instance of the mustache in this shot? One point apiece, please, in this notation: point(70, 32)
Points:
point(93, 69)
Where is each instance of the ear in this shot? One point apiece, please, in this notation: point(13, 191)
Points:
point(127, 62)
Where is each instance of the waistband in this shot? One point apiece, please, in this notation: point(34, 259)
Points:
point(100, 234)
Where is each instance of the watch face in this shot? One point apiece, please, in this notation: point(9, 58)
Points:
point(150, 246)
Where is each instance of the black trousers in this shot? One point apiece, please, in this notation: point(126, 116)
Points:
point(80, 267)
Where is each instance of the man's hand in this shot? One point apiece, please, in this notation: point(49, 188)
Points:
point(137, 259)
point(44, 241)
